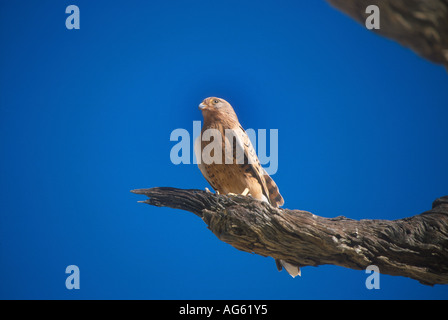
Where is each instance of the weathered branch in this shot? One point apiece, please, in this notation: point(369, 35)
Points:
point(415, 247)
point(419, 25)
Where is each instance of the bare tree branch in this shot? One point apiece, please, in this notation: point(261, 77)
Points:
point(419, 25)
point(415, 247)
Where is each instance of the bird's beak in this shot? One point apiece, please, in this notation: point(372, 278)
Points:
point(202, 106)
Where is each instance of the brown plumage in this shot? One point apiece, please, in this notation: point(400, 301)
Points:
point(239, 169)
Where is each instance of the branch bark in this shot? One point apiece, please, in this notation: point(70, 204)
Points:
point(415, 247)
point(419, 25)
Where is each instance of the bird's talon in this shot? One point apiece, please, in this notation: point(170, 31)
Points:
point(245, 192)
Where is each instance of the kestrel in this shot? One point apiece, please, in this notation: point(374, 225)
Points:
point(228, 160)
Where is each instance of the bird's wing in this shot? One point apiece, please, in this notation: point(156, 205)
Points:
point(275, 197)
point(250, 162)
point(269, 187)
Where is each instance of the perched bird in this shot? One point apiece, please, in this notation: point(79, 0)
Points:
point(228, 160)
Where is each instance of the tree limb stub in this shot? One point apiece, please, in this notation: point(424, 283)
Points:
point(414, 247)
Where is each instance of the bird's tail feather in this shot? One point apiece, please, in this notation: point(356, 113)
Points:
point(290, 268)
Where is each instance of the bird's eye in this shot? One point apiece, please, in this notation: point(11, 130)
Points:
point(215, 101)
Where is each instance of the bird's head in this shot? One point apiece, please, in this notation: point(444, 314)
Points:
point(217, 108)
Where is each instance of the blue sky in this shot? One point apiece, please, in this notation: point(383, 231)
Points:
point(86, 116)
